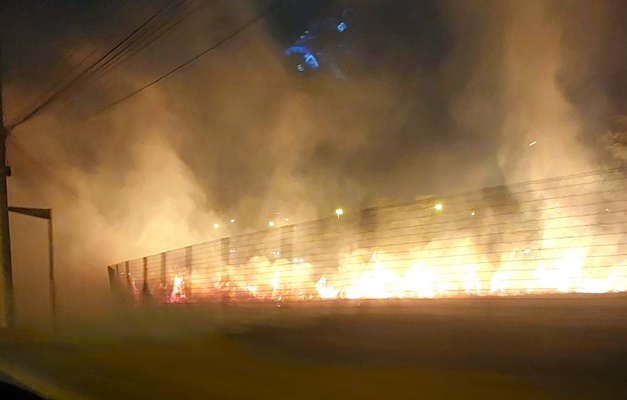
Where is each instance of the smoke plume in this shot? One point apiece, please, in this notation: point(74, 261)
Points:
point(440, 96)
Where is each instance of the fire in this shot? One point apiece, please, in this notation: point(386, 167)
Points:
point(325, 291)
point(545, 240)
point(382, 277)
point(178, 294)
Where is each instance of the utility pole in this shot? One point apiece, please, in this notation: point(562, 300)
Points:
point(7, 314)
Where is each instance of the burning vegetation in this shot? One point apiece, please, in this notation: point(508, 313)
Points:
point(561, 235)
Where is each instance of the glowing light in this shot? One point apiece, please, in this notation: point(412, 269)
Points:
point(444, 265)
point(376, 275)
point(326, 291)
point(216, 226)
point(178, 294)
point(342, 26)
point(308, 56)
point(532, 143)
point(232, 221)
point(311, 60)
point(287, 220)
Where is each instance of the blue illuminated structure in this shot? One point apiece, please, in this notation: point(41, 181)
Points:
point(308, 57)
point(313, 45)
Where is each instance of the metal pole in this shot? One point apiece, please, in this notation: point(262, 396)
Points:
point(7, 311)
point(188, 272)
point(53, 288)
point(145, 288)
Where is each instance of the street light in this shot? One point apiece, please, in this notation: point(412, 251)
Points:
point(339, 212)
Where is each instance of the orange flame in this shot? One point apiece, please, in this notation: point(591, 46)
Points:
point(178, 293)
point(378, 278)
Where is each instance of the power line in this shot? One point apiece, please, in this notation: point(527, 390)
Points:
point(87, 71)
point(186, 63)
point(115, 59)
point(74, 70)
point(142, 44)
point(243, 28)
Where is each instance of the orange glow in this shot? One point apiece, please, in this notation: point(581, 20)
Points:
point(381, 277)
point(534, 241)
point(178, 293)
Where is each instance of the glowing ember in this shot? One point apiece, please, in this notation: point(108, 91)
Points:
point(178, 294)
point(546, 242)
point(381, 277)
point(325, 291)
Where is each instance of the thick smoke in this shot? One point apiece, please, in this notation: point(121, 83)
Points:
point(440, 96)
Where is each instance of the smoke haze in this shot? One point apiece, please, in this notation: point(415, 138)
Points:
point(440, 96)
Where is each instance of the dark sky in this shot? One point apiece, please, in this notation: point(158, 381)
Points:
point(440, 96)
point(406, 64)
point(395, 49)
point(398, 126)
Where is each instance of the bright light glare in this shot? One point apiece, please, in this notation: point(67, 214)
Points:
point(271, 223)
point(438, 207)
point(216, 226)
point(339, 212)
point(233, 220)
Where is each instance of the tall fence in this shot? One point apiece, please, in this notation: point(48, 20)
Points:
point(557, 235)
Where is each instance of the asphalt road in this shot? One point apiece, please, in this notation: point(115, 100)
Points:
point(481, 349)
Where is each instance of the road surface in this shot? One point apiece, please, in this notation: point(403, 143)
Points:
point(367, 353)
